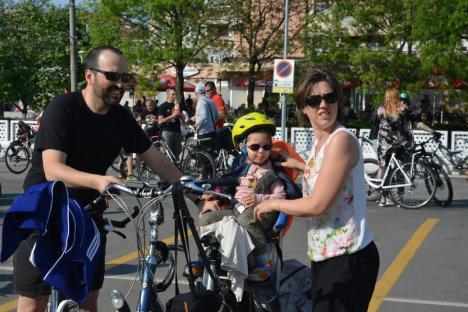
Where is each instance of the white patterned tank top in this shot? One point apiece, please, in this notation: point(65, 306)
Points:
point(343, 228)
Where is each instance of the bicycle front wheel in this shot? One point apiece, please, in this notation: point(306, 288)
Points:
point(146, 175)
point(199, 165)
point(17, 157)
point(412, 194)
point(371, 168)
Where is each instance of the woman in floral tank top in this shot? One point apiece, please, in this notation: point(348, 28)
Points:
point(344, 258)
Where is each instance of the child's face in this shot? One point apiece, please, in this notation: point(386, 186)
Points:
point(258, 147)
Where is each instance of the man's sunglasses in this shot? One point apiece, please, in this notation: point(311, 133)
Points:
point(256, 147)
point(315, 100)
point(115, 77)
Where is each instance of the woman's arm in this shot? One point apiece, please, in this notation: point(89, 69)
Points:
point(340, 157)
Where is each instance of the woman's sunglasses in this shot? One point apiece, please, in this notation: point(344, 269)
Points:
point(315, 100)
point(115, 77)
point(256, 147)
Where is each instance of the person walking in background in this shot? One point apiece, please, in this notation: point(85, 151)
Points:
point(205, 119)
point(81, 134)
point(344, 258)
point(395, 120)
point(169, 114)
point(210, 89)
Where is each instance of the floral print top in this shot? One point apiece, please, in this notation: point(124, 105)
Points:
point(342, 229)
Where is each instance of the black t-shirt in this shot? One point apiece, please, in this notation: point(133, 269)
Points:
point(165, 110)
point(146, 114)
point(91, 141)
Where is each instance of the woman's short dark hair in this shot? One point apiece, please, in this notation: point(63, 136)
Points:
point(309, 80)
point(93, 55)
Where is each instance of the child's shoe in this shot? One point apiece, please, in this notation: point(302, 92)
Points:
point(261, 272)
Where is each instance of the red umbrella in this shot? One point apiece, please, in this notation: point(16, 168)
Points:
point(169, 82)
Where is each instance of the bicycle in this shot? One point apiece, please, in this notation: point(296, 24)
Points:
point(452, 161)
point(224, 157)
point(407, 182)
point(18, 154)
point(444, 191)
point(148, 297)
point(191, 161)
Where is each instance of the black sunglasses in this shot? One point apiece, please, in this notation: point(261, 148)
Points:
point(256, 147)
point(315, 100)
point(115, 77)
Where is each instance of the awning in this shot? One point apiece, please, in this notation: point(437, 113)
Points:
point(166, 82)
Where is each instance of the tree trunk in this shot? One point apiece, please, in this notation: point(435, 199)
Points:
point(251, 85)
point(180, 83)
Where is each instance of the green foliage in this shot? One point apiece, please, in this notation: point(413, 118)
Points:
point(380, 41)
point(34, 51)
point(154, 33)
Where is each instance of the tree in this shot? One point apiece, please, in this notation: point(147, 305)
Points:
point(260, 27)
point(380, 41)
point(34, 52)
point(157, 32)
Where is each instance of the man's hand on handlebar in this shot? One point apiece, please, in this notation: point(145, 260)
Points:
point(101, 182)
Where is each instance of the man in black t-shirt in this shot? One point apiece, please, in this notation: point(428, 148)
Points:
point(81, 134)
point(169, 122)
point(149, 117)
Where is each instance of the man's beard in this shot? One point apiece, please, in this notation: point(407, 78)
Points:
point(112, 95)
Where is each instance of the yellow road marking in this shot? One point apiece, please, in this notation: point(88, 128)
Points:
point(389, 278)
point(11, 306)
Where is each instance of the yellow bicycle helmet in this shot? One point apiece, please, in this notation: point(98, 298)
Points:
point(250, 123)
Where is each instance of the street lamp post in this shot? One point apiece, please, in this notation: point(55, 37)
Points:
point(73, 81)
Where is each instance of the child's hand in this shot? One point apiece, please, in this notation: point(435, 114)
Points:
point(249, 200)
point(265, 206)
point(209, 206)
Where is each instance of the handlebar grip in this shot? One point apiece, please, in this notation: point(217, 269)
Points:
point(120, 188)
point(225, 181)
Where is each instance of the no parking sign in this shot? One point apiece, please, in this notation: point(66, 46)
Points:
point(283, 76)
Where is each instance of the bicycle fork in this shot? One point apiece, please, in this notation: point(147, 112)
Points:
point(148, 297)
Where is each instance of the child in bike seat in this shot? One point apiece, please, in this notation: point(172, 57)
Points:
point(257, 181)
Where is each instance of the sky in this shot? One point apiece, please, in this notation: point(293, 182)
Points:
point(65, 2)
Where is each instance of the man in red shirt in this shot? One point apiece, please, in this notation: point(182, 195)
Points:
point(210, 89)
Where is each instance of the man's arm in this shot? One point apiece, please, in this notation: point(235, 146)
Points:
point(55, 168)
point(161, 165)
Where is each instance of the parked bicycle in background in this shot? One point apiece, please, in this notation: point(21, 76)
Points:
point(18, 154)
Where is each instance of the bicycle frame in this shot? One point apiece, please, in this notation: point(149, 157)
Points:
point(381, 185)
point(150, 266)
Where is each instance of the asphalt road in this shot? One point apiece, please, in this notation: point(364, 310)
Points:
point(423, 254)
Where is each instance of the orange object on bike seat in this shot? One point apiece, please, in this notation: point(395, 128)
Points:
point(279, 146)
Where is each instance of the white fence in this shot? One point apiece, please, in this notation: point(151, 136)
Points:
point(301, 138)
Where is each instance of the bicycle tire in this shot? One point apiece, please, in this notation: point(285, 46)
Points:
point(444, 190)
point(438, 160)
point(17, 157)
point(146, 175)
point(416, 195)
point(200, 165)
point(371, 167)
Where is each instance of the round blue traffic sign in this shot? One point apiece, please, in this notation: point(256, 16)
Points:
point(283, 69)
